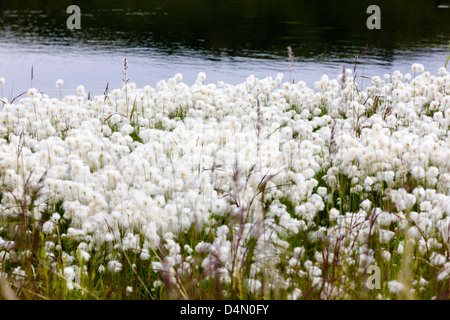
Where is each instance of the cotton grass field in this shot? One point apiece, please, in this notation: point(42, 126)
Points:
point(268, 189)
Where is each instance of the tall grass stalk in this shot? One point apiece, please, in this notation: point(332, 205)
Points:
point(291, 63)
point(448, 56)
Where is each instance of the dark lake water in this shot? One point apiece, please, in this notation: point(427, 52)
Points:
point(228, 40)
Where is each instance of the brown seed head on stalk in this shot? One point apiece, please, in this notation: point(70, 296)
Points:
point(125, 69)
point(344, 79)
point(291, 61)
